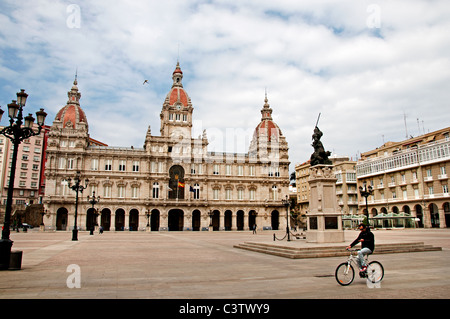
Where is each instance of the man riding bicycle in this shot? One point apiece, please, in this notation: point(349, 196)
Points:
point(367, 240)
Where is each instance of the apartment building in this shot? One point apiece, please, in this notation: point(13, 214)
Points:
point(29, 168)
point(409, 180)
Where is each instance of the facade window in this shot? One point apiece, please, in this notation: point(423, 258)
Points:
point(405, 194)
point(108, 165)
point(228, 194)
point(431, 190)
point(274, 192)
point(135, 166)
point(184, 117)
point(62, 163)
point(135, 192)
point(94, 164)
point(107, 191)
point(416, 193)
point(252, 171)
point(240, 170)
point(122, 166)
point(121, 191)
point(155, 191)
point(70, 163)
point(240, 194)
point(252, 194)
point(215, 194)
point(228, 170)
point(196, 191)
point(216, 169)
point(445, 189)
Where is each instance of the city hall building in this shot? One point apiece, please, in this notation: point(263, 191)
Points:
point(172, 183)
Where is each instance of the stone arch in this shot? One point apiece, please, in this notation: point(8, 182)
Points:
point(62, 216)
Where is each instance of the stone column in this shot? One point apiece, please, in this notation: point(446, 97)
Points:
point(246, 221)
point(324, 218)
point(442, 223)
point(233, 221)
point(112, 221)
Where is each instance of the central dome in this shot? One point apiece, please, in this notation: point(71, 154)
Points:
point(177, 96)
point(267, 129)
point(72, 115)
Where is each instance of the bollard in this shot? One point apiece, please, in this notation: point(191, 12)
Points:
point(15, 260)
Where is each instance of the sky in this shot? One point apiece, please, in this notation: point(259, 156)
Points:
point(375, 70)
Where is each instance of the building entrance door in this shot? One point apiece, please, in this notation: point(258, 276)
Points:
point(120, 220)
point(176, 220)
point(61, 219)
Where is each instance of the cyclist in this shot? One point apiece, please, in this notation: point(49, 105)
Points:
point(367, 240)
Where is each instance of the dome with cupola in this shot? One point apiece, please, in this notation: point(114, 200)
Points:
point(267, 129)
point(72, 115)
point(177, 96)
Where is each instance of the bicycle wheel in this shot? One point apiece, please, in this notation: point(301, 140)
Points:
point(375, 272)
point(344, 274)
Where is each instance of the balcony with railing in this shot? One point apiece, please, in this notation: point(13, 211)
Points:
point(423, 154)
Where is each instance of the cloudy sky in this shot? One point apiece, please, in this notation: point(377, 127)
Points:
point(376, 70)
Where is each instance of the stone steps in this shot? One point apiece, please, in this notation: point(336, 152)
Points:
point(331, 251)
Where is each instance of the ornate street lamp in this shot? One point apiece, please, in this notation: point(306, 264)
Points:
point(16, 133)
point(148, 214)
point(286, 202)
point(366, 192)
point(93, 200)
point(77, 187)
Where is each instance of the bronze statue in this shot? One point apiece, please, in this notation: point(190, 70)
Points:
point(320, 156)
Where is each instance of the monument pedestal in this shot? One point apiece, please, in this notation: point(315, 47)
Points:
point(324, 219)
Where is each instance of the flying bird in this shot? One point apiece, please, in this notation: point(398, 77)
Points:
point(146, 81)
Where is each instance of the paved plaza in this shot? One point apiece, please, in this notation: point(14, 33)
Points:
point(204, 265)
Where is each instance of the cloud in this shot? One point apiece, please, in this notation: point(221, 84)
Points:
point(311, 57)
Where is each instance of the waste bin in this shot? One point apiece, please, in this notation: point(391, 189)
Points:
point(15, 260)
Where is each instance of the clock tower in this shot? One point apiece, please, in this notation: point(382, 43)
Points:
point(176, 114)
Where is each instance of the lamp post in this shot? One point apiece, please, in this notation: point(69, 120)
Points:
point(365, 192)
point(16, 133)
point(93, 200)
point(77, 187)
point(286, 202)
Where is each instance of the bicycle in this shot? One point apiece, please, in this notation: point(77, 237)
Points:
point(345, 272)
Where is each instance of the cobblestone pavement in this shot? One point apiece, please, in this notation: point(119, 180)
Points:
point(204, 265)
